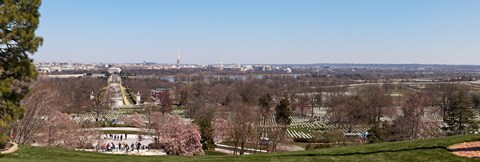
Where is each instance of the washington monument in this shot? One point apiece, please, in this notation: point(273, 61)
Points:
point(178, 56)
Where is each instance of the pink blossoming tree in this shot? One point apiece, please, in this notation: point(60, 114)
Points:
point(179, 137)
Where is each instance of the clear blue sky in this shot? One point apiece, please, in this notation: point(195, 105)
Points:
point(261, 31)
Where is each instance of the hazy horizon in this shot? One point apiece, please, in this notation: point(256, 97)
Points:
point(326, 63)
point(261, 32)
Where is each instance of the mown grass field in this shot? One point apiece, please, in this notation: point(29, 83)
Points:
point(418, 150)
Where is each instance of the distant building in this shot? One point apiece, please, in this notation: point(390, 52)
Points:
point(114, 70)
point(247, 68)
point(44, 70)
point(288, 70)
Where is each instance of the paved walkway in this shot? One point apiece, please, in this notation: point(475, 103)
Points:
point(468, 149)
point(131, 138)
point(121, 128)
point(141, 152)
point(230, 152)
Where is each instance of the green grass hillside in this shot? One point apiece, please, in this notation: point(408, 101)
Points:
point(418, 150)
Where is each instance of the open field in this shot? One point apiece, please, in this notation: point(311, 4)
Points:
point(419, 150)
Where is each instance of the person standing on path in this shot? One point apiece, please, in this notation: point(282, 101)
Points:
point(138, 146)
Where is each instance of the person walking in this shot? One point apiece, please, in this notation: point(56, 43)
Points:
point(138, 146)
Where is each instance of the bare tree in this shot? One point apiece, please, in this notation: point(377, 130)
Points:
point(414, 108)
point(347, 110)
point(144, 86)
point(149, 112)
point(77, 92)
point(276, 135)
point(376, 101)
point(244, 125)
point(316, 100)
point(443, 93)
point(250, 92)
point(100, 102)
point(164, 101)
point(42, 100)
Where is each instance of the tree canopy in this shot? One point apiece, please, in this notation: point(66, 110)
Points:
point(283, 112)
point(19, 20)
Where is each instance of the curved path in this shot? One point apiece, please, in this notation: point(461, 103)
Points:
point(121, 129)
point(467, 149)
point(129, 139)
point(10, 150)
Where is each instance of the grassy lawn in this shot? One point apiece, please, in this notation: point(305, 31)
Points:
point(418, 150)
point(129, 110)
point(247, 145)
point(299, 129)
point(300, 144)
point(175, 107)
point(213, 153)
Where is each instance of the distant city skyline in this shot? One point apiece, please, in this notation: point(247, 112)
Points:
point(264, 32)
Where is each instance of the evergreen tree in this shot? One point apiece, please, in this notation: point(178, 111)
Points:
point(265, 103)
point(283, 112)
point(378, 134)
point(206, 132)
point(18, 21)
point(460, 115)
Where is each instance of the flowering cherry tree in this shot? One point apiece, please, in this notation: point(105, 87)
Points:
point(61, 131)
point(136, 120)
point(57, 129)
point(179, 137)
point(221, 127)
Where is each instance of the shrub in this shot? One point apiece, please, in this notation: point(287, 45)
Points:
point(322, 146)
point(317, 146)
point(309, 147)
point(156, 146)
point(3, 141)
point(303, 140)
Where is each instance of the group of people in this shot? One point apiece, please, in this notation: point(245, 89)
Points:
point(116, 137)
point(121, 147)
